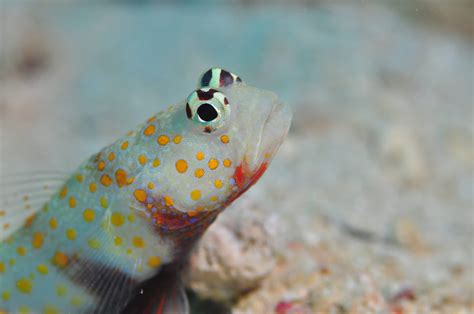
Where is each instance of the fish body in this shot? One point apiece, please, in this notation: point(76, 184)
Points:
point(140, 204)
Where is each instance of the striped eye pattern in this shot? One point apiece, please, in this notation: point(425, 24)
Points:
point(217, 77)
point(208, 109)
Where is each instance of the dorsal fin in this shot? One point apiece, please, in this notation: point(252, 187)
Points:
point(24, 194)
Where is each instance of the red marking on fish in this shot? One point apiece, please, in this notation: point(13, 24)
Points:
point(239, 175)
point(243, 181)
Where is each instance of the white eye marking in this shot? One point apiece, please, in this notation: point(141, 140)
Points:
point(208, 108)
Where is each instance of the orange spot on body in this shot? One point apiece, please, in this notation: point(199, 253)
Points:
point(60, 259)
point(117, 241)
point(93, 244)
point(50, 309)
point(181, 165)
point(213, 163)
point(24, 285)
point(168, 200)
point(72, 202)
point(218, 183)
point(124, 145)
point(163, 139)
point(177, 139)
point(149, 130)
point(21, 250)
point(138, 242)
point(117, 219)
point(103, 202)
point(71, 234)
point(195, 195)
point(105, 180)
point(111, 156)
point(142, 159)
point(42, 269)
point(6, 296)
point(199, 173)
point(61, 290)
point(225, 139)
point(121, 177)
point(199, 155)
point(63, 192)
point(53, 223)
point(101, 165)
point(88, 215)
point(155, 163)
point(29, 220)
point(92, 187)
point(38, 240)
point(227, 163)
point(154, 261)
point(79, 178)
point(140, 195)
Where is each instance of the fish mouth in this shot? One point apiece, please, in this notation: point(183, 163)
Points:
point(273, 131)
point(272, 134)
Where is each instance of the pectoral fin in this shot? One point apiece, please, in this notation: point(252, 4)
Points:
point(162, 294)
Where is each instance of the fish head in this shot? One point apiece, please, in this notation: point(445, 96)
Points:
point(227, 135)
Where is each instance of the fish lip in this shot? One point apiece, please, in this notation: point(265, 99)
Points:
point(272, 134)
point(258, 150)
point(255, 163)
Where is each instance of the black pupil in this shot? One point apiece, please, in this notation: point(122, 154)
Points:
point(207, 112)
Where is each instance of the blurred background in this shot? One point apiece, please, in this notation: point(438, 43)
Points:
point(368, 206)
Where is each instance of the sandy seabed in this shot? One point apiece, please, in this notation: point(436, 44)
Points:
point(369, 205)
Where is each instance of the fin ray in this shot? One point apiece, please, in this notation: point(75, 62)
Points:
point(162, 294)
point(21, 196)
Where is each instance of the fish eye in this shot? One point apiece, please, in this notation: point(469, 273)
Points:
point(207, 112)
point(218, 77)
point(208, 109)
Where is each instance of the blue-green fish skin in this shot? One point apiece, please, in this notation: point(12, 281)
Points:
point(141, 202)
